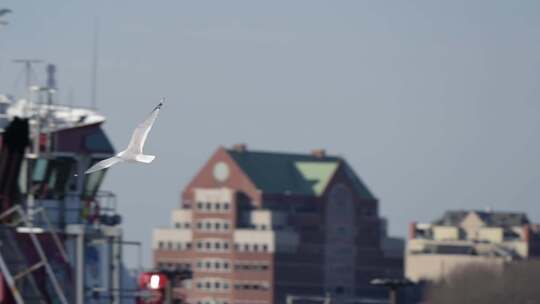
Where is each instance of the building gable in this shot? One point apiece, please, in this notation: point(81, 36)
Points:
point(472, 220)
point(221, 171)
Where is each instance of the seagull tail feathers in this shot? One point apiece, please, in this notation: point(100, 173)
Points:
point(144, 158)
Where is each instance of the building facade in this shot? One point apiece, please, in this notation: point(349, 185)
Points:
point(463, 238)
point(255, 227)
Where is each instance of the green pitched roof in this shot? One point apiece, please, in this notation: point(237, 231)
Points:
point(302, 174)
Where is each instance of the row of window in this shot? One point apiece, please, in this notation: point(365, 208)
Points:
point(213, 225)
point(213, 207)
point(252, 286)
point(217, 245)
point(213, 265)
point(213, 285)
point(251, 247)
point(223, 285)
point(212, 246)
point(173, 266)
point(251, 266)
point(174, 245)
point(184, 225)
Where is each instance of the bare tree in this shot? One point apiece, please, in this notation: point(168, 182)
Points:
point(516, 283)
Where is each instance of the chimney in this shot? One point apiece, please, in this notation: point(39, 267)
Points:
point(240, 147)
point(319, 153)
point(412, 230)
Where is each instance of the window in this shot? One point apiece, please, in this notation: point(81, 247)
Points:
point(226, 206)
point(217, 285)
point(199, 264)
point(187, 225)
point(179, 246)
point(208, 285)
point(199, 225)
point(160, 245)
point(208, 265)
point(217, 245)
point(91, 183)
point(265, 248)
point(208, 225)
point(188, 245)
point(226, 246)
point(246, 247)
point(217, 226)
point(208, 206)
point(199, 205)
point(217, 206)
point(208, 245)
point(199, 245)
point(169, 245)
point(255, 247)
point(226, 226)
point(226, 265)
point(177, 225)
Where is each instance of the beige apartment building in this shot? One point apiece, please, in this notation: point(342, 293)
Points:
point(257, 226)
point(462, 238)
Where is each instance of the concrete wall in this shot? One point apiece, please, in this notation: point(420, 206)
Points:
point(443, 233)
point(436, 266)
point(491, 234)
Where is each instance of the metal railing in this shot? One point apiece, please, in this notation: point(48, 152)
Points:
point(20, 217)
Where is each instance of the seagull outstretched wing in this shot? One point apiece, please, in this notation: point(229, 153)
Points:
point(106, 163)
point(141, 132)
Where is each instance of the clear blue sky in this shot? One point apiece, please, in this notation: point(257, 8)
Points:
point(435, 104)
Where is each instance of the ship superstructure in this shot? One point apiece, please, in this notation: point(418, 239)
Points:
point(60, 234)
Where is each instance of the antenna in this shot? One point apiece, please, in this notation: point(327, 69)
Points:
point(95, 63)
point(28, 70)
point(51, 82)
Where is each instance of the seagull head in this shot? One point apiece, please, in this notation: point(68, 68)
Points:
point(160, 103)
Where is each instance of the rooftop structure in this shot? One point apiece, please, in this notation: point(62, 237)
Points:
point(258, 227)
point(463, 237)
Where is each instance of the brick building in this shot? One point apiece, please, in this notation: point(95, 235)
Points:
point(257, 226)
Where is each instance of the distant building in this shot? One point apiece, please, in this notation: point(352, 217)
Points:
point(462, 238)
point(257, 226)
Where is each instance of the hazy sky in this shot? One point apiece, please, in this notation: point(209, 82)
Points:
point(435, 104)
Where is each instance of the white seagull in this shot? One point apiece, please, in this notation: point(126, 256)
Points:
point(134, 151)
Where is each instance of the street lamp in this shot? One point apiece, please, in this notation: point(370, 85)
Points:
point(393, 286)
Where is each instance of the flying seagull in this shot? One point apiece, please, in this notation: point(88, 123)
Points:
point(134, 151)
point(4, 11)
